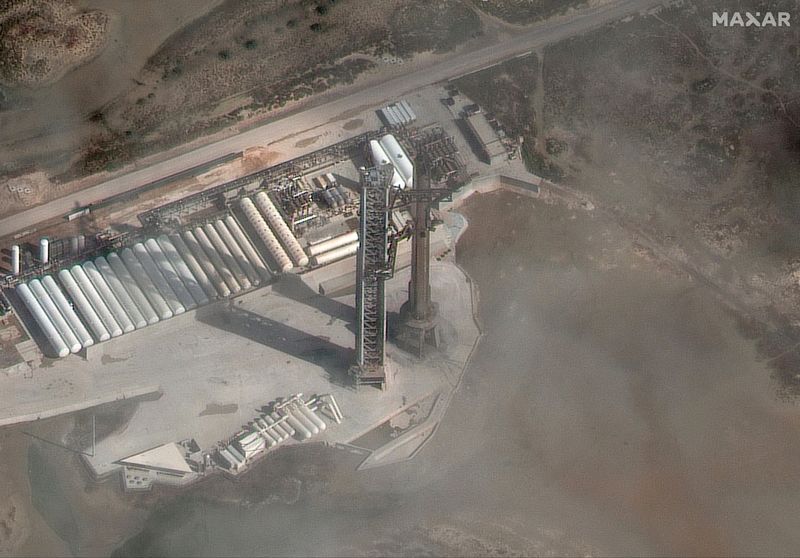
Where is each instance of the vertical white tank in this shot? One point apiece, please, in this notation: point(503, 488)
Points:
point(237, 252)
point(15, 259)
point(69, 337)
point(96, 301)
point(108, 297)
point(266, 235)
point(143, 281)
point(281, 229)
point(227, 257)
point(75, 323)
point(216, 260)
point(119, 292)
point(247, 247)
point(84, 306)
point(44, 250)
point(48, 329)
point(139, 298)
point(197, 251)
point(157, 278)
point(170, 274)
point(183, 270)
point(73, 245)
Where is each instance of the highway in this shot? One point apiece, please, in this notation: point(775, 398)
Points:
point(336, 105)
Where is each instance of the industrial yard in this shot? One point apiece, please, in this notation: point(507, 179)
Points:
point(459, 288)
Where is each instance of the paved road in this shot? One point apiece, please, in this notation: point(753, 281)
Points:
point(335, 106)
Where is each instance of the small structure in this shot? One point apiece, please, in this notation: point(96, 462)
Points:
point(164, 464)
point(398, 114)
point(491, 148)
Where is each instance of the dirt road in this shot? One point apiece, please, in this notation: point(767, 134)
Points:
point(336, 105)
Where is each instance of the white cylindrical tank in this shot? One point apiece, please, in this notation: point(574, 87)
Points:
point(265, 431)
point(225, 253)
point(277, 432)
point(158, 279)
point(300, 429)
point(63, 305)
point(44, 250)
point(73, 245)
point(398, 158)
point(143, 281)
point(266, 235)
point(96, 301)
point(282, 424)
point(15, 259)
point(336, 254)
point(129, 283)
point(312, 416)
point(237, 253)
point(119, 292)
point(170, 274)
point(281, 229)
point(84, 306)
point(185, 275)
point(216, 259)
point(217, 282)
point(43, 321)
point(67, 335)
point(194, 266)
point(108, 297)
point(305, 421)
point(247, 247)
point(330, 244)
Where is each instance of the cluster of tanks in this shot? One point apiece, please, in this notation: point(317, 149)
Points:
point(142, 285)
point(388, 150)
point(333, 193)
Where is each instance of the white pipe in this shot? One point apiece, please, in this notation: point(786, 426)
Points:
point(227, 257)
point(143, 281)
point(96, 301)
point(136, 293)
point(236, 251)
point(216, 260)
point(84, 306)
point(158, 279)
point(170, 274)
point(281, 229)
point(247, 247)
point(108, 297)
point(67, 311)
point(335, 242)
point(336, 254)
point(48, 329)
point(194, 266)
point(312, 416)
point(266, 235)
point(69, 337)
point(118, 290)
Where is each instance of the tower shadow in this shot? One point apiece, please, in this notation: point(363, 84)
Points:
point(292, 287)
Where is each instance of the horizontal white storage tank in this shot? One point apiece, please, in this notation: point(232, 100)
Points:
point(266, 235)
point(248, 248)
point(63, 305)
point(143, 281)
point(170, 274)
point(133, 289)
point(69, 337)
point(43, 321)
point(225, 253)
point(281, 229)
point(299, 427)
point(312, 416)
point(97, 302)
point(117, 288)
point(220, 287)
point(399, 159)
point(185, 274)
point(237, 252)
point(216, 260)
point(89, 314)
point(194, 266)
point(336, 254)
point(379, 157)
point(330, 244)
point(155, 275)
point(108, 297)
